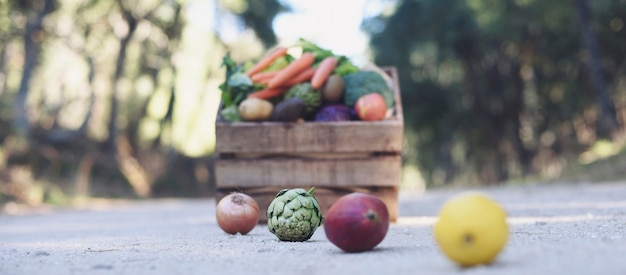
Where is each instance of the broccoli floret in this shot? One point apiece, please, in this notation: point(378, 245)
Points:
point(364, 82)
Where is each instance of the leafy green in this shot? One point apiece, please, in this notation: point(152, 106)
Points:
point(231, 114)
point(237, 85)
point(364, 82)
point(344, 65)
point(247, 65)
point(317, 51)
point(279, 64)
point(239, 80)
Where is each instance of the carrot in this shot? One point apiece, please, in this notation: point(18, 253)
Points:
point(267, 60)
point(324, 70)
point(263, 76)
point(305, 61)
point(268, 93)
point(303, 76)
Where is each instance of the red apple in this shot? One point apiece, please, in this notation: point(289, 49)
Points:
point(371, 107)
point(357, 222)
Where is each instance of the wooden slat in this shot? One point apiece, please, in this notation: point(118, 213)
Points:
point(318, 155)
point(325, 196)
point(309, 137)
point(371, 171)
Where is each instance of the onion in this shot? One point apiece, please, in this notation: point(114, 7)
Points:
point(237, 213)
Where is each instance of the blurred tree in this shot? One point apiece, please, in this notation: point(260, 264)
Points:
point(124, 34)
point(257, 15)
point(97, 87)
point(33, 36)
point(496, 89)
point(607, 121)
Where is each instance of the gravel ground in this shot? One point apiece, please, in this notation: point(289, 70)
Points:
point(555, 229)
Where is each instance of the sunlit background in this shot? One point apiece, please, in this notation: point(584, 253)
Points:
point(119, 98)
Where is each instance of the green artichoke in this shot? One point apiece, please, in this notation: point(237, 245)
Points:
point(312, 98)
point(294, 215)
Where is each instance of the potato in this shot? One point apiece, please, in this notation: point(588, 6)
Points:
point(255, 109)
point(332, 91)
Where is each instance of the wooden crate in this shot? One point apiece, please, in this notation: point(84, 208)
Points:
point(337, 158)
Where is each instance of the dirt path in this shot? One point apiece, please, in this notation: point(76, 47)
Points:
point(555, 229)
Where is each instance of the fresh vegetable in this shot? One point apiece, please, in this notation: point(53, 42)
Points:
point(255, 109)
point(263, 76)
point(324, 70)
point(344, 66)
point(267, 60)
point(303, 76)
point(305, 61)
point(289, 110)
point(332, 91)
point(268, 93)
point(279, 64)
point(334, 112)
point(381, 72)
point(317, 76)
point(294, 215)
point(231, 114)
point(317, 51)
point(237, 213)
point(235, 87)
point(365, 82)
point(371, 107)
point(357, 222)
point(312, 98)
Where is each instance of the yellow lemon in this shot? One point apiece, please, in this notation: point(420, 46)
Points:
point(471, 229)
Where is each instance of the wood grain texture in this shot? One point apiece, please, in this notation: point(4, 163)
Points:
point(310, 137)
point(251, 172)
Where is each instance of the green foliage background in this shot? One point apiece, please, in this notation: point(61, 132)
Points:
point(498, 90)
point(118, 98)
